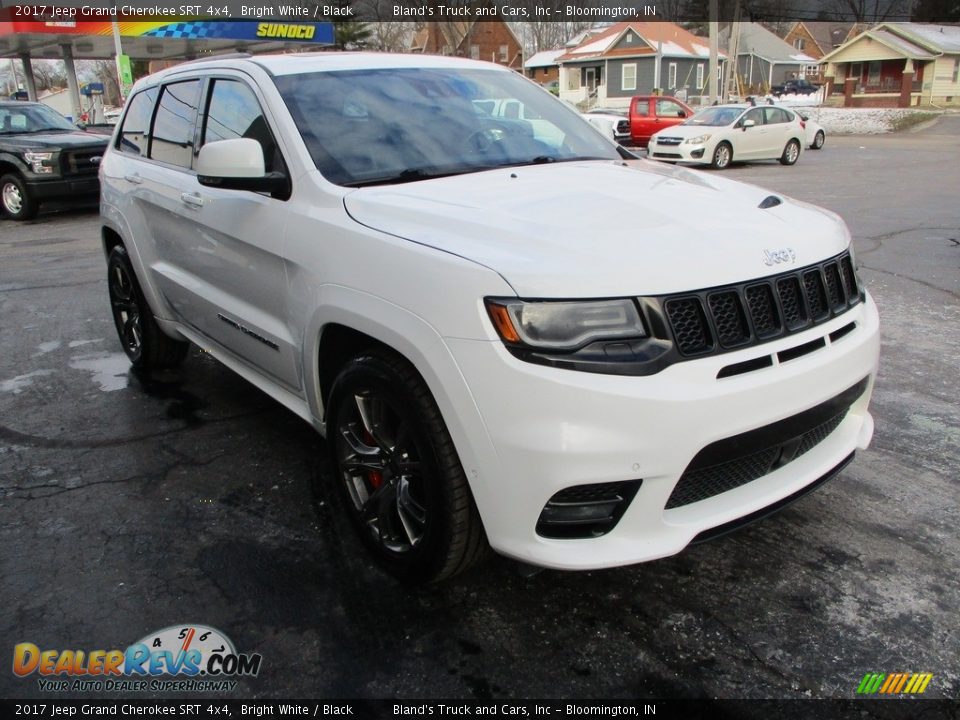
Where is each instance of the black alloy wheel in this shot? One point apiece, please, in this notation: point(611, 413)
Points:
point(399, 473)
point(147, 346)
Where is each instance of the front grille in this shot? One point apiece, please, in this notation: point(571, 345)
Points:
point(738, 460)
point(672, 156)
point(721, 319)
point(81, 162)
point(669, 141)
point(689, 325)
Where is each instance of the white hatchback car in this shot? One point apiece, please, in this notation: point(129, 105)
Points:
point(455, 303)
point(721, 134)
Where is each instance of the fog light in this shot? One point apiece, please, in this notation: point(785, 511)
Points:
point(585, 511)
point(697, 154)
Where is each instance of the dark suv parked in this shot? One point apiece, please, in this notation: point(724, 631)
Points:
point(43, 156)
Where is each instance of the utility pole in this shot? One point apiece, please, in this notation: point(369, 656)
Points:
point(714, 49)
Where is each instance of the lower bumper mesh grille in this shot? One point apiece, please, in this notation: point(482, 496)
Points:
point(738, 460)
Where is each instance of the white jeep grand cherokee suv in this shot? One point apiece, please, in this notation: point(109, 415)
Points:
point(507, 333)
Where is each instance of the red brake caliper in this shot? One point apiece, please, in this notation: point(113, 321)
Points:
point(374, 476)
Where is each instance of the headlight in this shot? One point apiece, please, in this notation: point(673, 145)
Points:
point(698, 140)
point(564, 325)
point(40, 161)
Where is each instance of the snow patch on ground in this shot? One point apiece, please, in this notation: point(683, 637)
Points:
point(857, 121)
point(17, 384)
point(108, 370)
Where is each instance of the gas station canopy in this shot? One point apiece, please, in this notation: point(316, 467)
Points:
point(153, 40)
point(156, 40)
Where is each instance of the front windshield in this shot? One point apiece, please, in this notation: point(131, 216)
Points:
point(715, 116)
point(367, 127)
point(31, 118)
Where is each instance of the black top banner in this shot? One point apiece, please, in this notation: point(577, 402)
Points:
point(892, 709)
point(421, 11)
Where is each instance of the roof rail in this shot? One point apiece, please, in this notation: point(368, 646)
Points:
point(210, 58)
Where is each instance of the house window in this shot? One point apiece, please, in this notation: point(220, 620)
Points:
point(672, 75)
point(546, 71)
point(503, 53)
point(956, 70)
point(700, 76)
point(628, 78)
point(628, 38)
point(873, 73)
point(474, 52)
point(799, 42)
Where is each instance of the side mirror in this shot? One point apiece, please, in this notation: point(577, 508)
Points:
point(237, 164)
point(681, 113)
point(746, 124)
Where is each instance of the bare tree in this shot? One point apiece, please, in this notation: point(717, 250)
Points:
point(867, 11)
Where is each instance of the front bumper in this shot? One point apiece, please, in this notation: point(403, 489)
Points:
point(700, 153)
point(550, 429)
point(63, 188)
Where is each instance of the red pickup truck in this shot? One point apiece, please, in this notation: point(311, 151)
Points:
point(649, 113)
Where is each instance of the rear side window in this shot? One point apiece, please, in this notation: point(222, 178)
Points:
point(642, 107)
point(174, 123)
point(135, 132)
point(775, 115)
point(234, 112)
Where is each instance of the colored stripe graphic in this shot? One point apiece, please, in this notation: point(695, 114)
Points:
point(894, 683)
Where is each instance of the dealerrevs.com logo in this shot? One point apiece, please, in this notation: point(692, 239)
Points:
point(178, 658)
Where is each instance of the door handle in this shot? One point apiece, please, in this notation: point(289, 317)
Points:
point(133, 178)
point(192, 199)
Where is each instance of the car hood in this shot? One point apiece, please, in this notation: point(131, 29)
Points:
point(601, 228)
point(52, 140)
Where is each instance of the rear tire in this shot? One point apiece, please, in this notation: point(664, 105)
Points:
point(722, 156)
point(18, 203)
point(398, 471)
point(147, 346)
point(790, 153)
point(818, 140)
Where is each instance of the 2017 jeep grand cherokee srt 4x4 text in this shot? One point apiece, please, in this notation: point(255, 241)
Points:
point(509, 333)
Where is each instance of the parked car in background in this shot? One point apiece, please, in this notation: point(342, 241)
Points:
point(614, 123)
point(813, 133)
point(652, 113)
point(459, 310)
point(43, 156)
point(796, 86)
point(721, 134)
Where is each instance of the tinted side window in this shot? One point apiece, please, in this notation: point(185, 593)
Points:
point(668, 108)
point(135, 133)
point(234, 112)
point(756, 115)
point(775, 115)
point(174, 123)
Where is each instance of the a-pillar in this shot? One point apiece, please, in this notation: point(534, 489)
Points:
point(72, 87)
point(906, 84)
point(28, 78)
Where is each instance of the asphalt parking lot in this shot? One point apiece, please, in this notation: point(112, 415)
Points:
point(128, 505)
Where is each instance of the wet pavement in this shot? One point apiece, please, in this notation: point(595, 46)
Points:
point(128, 505)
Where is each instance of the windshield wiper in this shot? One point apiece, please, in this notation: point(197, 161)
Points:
point(405, 176)
point(46, 129)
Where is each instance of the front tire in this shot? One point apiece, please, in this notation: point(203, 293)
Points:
point(16, 199)
point(722, 156)
point(147, 346)
point(790, 153)
point(398, 471)
point(818, 140)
